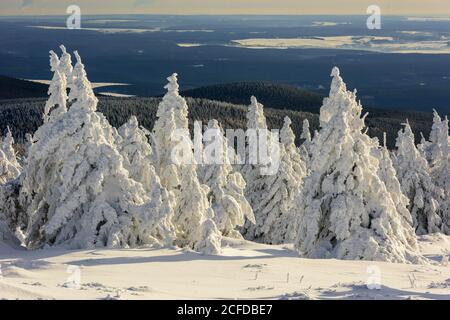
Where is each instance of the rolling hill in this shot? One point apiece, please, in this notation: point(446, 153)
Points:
point(226, 103)
point(274, 96)
point(12, 88)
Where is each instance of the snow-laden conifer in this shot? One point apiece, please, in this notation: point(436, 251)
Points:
point(287, 138)
point(388, 175)
point(79, 192)
point(344, 209)
point(271, 195)
point(284, 188)
point(193, 219)
point(436, 152)
point(137, 153)
point(226, 193)
point(257, 184)
point(57, 90)
point(9, 166)
point(306, 133)
point(171, 116)
point(194, 216)
point(414, 175)
point(138, 156)
point(65, 66)
point(434, 148)
point(441, 174)
point(13, 219)
point(304, 148)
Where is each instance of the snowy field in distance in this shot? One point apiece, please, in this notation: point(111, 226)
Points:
point(245, 270)
point(117, 95)
point(367, 43)
point(95, 85)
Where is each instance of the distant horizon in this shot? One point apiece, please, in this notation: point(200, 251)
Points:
point(232, 14)
point(292, 49)
point(224, 7)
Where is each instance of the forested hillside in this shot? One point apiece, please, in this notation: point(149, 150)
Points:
point(275, 96)
point(25, 116)
point(11, 88)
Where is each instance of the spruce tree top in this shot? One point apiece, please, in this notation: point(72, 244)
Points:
point(306, 134)
point(66, 62)
point(82, 88)
point(54, 61)
point(172, 86)
point(173, 101)
point(287, 136)
point(255, 115)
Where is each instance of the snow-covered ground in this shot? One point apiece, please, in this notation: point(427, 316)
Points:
point(244, 270)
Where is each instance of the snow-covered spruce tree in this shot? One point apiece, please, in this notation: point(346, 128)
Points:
point(137, 153)
point(171, 115)
point(287, 138)
point(306, 133)
point(80, 195)
point(437, 153)
point(263, 190)
point(304, 148)
point(171, 101)
point(226, 193)
point(28, 143)
point(440, 146)
point(194, 216)
point(422, 146)
point(441, 174)
point(433, 150)
point(193, 219)
point(255, 181)
point(345, 210)
point(413, 173)
point(306, 137)
point(388, 176)
point(13, 219)
point(57, 90)
point(172, 118)
point(65, 66)
point(9, 166)
point(284, 188)
point(167, 170)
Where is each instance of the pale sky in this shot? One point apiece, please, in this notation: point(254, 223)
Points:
point(358, 7)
